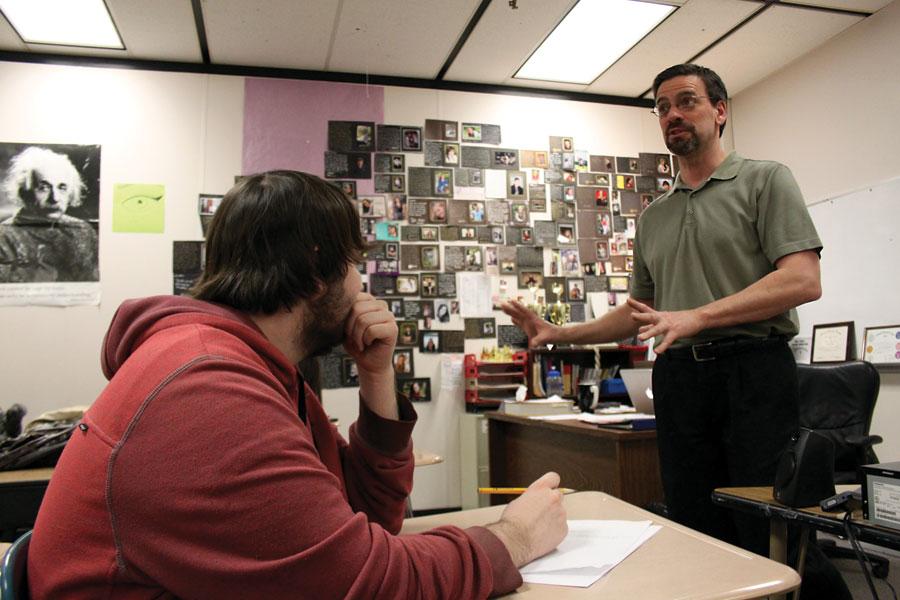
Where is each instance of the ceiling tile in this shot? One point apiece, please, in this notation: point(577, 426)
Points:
point(770, 41)
point(682, 35)
point(270, 33)
point(861, 5)
point(9, 39)
point(410, 38)
point(504, 39)
point(158, 30)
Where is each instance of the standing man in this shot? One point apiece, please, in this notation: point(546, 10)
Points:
point(208, 469)
point(720, 263)
point(40, 242)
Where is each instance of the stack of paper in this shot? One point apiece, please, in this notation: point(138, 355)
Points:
point(590, 550)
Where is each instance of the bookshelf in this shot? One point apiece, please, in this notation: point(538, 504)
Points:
point(572, 363)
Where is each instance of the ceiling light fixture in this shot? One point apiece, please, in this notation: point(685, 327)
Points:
point(62, 22)
point(591, 37)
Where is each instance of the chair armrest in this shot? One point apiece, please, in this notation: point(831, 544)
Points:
point(863, 441)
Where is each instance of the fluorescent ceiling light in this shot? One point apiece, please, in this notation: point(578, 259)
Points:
point(590, 38)
point(63, 22)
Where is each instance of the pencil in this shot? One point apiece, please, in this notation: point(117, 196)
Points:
point(514, 490)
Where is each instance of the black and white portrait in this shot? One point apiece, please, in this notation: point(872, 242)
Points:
point(49, 213)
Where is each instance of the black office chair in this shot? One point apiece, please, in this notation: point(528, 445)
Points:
point(13, 570)
point(837, 400)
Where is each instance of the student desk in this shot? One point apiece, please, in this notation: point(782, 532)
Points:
point(760, 501)
point(622, 463)
point(677, 562)
point(21, 493)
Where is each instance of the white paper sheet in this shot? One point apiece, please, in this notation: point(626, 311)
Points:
point(590, 550)
point(474, 291)
point(494, 183)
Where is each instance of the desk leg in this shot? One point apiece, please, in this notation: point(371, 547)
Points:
point(801, 555)
point(778, 546)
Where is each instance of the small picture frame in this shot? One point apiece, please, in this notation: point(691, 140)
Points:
point(832, 342)
point(430, 342)
point(407, 333)
point(881, 345)
point(417, 389)
point(403, 364)
point(411, 139)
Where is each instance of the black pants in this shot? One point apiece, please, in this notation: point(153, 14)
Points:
point(724, 423)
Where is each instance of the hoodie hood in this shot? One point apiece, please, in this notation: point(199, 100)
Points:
point(137, 320)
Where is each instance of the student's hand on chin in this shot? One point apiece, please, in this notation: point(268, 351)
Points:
point(371, 334)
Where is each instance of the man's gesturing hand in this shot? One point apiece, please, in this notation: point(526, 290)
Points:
point(539, 331)
point(671, 326)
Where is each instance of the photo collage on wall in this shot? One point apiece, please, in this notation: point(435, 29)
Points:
point(544, 225)
point(555, 223)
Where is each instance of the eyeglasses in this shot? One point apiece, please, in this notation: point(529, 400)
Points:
point(683, 104)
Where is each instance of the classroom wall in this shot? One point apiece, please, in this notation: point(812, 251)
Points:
point(187, 131)
point(831, 116)
point(180, 130)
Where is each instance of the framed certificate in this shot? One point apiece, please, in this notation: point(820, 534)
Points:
point(832, 342)
point(881, 345)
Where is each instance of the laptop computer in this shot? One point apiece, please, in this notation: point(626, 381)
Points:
point(639, 385)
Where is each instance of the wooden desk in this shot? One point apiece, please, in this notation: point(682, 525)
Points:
point(21, 493)
point(677, 562)
point(624, 464)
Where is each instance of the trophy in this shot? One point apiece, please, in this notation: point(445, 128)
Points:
point(537, 305)
point(558, 312)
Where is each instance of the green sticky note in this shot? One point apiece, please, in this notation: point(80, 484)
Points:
point(139, 208)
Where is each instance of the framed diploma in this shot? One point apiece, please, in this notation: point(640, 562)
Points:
point(881, 345)
point(832, 342)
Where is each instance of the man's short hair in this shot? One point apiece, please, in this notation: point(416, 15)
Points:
point(276, 239)
point(22, 165)
point(715, 87)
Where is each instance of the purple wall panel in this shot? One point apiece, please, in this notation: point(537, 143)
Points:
point(286, 122)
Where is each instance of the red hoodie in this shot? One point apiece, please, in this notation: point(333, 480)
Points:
point(193, 476)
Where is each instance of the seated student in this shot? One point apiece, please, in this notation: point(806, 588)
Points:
point(207, 468)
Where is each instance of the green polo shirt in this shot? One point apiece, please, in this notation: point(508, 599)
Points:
point(694, 246)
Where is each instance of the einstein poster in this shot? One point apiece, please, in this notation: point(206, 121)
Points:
point(49, 223)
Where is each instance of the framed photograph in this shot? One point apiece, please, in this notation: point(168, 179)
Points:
point(566, 233)
point(430, 342)
point(349, 373)
point(416, 389)
point(428, 233)
point(471, 132)
point(403, 363)
point(407, 285)
point(618, 283)
point(832, 342)
point(882, 345)
point(467, 233)
point(429, 283)
point(443, 182)
point(530, 279)
point(451, 154)
point(398, 183)
point(209, 203)
point(476, 212)
point(575, 289)
point(407, 333)
point(516, 182)
point(396, 306)
point(411, 139)
point(437, 211)
point(429, 257)
point(398, 162)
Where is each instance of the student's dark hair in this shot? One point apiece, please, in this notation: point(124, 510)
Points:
point(276, 238)
point(715, 87)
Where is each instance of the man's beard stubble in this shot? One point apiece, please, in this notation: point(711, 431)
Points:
point(325, 322)
point(683, 146)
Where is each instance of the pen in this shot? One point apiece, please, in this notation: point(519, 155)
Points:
point(514, 490)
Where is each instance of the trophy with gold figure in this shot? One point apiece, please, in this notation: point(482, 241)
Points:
point(559, 313)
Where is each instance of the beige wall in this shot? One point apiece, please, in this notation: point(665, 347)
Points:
point(832, 117)
point(180, 130)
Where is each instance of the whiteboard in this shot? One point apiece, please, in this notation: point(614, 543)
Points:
point(860, 260)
